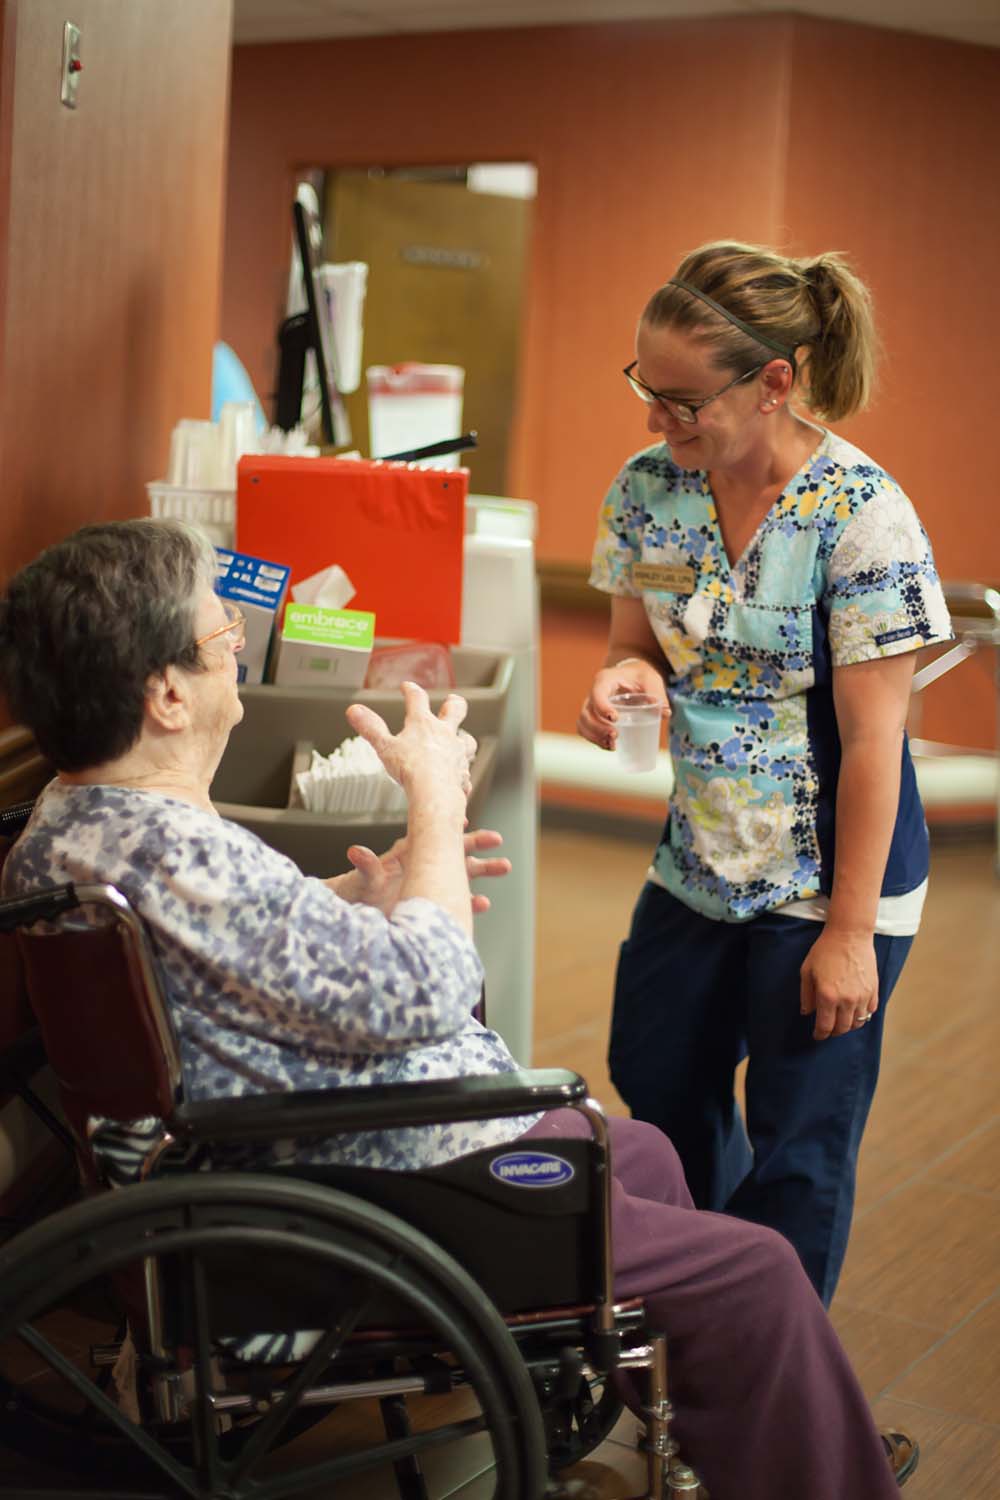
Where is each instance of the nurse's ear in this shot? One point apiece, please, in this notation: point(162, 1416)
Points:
point(777, 378)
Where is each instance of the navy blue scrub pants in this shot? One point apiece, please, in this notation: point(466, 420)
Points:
point(694, 996)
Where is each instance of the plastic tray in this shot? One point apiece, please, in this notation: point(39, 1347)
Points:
point(252, 783)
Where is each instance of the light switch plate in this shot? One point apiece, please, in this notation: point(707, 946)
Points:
point(71, 64)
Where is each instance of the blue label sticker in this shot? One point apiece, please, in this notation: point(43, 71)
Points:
point(533, 1169)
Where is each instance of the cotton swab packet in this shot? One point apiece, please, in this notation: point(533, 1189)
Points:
point(350, 781)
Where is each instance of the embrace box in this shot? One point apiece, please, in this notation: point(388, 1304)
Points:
point(259, 588)
point(324, 647)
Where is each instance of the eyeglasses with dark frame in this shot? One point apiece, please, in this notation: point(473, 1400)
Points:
point(684, 411)
point(235, 628)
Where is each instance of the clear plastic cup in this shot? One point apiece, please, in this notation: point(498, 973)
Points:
point(237, 435)
point(194, 455)
point(638, 726)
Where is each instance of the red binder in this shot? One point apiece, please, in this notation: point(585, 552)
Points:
point(397, 531)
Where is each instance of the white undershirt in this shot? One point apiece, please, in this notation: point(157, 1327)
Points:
point(898, 916)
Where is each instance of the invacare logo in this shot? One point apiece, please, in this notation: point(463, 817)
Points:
point(533, 1169)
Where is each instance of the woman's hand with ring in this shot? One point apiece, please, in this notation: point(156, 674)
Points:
point(839, 982)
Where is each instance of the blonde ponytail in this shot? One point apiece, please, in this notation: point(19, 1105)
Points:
point(746, 302)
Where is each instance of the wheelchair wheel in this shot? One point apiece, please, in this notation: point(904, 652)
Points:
point(243, 1256)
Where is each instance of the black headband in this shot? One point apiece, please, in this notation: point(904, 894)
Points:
point(760, 338)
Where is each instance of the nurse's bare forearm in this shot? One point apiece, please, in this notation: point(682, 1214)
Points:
point(626, 646)
point(631, 637)
point(867, 802)
point(630, 652)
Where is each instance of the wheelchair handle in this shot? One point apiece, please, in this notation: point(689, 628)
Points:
point(37, 906)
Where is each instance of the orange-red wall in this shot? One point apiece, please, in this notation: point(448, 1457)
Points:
point(649, 138)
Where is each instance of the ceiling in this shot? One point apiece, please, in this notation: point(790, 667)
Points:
point(976, 21)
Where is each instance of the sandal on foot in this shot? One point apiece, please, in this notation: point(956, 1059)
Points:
point(903, 1454)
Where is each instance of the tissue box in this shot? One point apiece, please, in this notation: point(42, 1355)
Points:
point(259, 589)
point(324, 647)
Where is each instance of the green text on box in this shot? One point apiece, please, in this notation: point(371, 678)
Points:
point(315, 625)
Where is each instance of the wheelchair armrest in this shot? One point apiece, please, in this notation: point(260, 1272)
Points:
point(329, 1111)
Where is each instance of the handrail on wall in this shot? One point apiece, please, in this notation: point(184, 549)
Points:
point(975, 618)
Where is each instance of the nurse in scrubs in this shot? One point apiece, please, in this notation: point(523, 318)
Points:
point(772, 584)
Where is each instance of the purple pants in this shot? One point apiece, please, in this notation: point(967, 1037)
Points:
point(765, 1401)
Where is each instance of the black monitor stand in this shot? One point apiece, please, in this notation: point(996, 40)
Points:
point(309, 329)
point(295, 339)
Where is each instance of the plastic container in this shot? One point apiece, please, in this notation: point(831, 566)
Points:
point(237, 435)
point(194, 458)
point(413, 404)
point(344, 284)
point(423, 662)
point(212, 511)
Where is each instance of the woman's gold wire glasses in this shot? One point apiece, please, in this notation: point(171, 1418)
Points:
point(235, 628)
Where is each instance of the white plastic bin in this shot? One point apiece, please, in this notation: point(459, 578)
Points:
point(212, 511)
point(410, 405)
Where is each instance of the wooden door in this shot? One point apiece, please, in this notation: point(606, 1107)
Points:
point(444, 287)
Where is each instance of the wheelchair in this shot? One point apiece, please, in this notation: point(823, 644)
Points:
point(301, 1331)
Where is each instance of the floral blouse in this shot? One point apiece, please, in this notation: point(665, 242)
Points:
point(273, 982)
point(839, 571)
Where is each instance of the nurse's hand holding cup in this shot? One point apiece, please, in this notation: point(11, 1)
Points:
point(627, 703)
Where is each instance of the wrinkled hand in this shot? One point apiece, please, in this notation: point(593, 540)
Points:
point(839, 983)
point(427, 745)
point(375, 879)
point(597, 718)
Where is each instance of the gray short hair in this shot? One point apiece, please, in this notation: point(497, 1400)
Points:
point(84, 627)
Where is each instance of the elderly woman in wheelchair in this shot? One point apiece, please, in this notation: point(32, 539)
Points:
point(395, 1218)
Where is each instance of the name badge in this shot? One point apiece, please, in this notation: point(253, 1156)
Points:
point(670, 578)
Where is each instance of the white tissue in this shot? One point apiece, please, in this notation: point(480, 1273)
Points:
point(350, 781)
point(330, 588)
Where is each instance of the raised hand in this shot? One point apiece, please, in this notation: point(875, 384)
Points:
point(429, 747)
point(375, 879)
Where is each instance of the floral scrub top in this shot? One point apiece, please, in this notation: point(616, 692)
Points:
point(839, 571)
